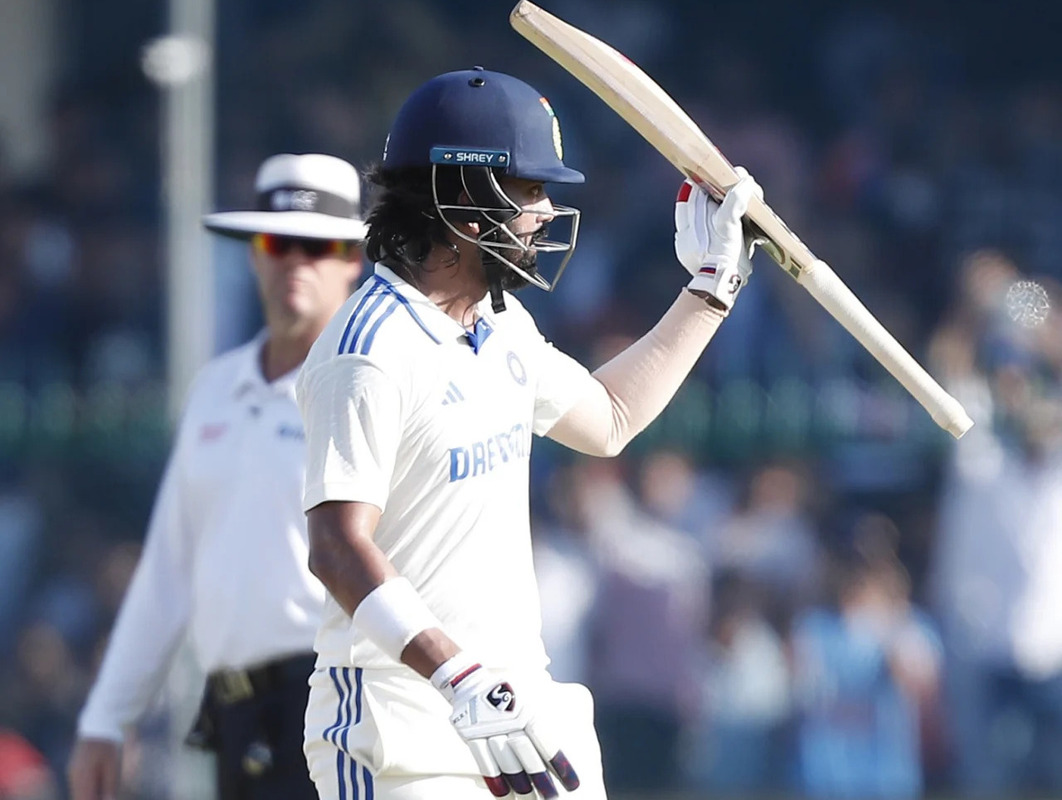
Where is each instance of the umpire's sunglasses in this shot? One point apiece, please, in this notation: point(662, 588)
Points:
point(276, 245)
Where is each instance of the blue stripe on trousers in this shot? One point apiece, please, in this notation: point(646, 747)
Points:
point(331, 729)
point(347, 716)
point(368, 782)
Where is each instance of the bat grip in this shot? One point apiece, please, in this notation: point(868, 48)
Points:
point(829, 290)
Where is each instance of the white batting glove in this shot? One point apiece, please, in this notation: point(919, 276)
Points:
point(709, 240)
point(512, 749)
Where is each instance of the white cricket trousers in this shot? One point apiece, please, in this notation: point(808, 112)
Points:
point(385, 734)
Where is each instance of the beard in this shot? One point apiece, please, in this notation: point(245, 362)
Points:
point(512, 281)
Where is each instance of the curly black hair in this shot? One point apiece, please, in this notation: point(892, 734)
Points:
point(404, 224)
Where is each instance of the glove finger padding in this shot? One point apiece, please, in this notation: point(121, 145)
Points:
point(553, 755)
point(727, 219)
point(488, 767)
point(512, 770)
point(533, 765)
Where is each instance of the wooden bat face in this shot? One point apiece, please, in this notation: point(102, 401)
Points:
point(658, 118)
point(647, 108)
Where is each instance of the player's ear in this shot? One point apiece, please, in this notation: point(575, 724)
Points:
point(464, 221)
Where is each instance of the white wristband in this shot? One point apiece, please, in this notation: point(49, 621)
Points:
point(391, 615)
point(453, 671)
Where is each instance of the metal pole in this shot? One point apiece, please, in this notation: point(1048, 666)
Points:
point(182, 65)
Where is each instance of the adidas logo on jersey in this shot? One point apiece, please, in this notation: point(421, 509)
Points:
point(453, 395)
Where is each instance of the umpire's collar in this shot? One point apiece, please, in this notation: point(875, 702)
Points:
point(248, 378)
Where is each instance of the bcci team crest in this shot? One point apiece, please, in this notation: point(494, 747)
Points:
point(516, 368)
point(558, 146)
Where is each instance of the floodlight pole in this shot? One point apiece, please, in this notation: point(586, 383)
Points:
point(182, 65)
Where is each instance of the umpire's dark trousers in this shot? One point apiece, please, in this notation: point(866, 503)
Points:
point(253, 721)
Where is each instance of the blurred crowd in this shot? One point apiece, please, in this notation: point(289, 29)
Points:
point(793, 584)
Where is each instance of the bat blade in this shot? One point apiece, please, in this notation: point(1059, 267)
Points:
point(646, 107)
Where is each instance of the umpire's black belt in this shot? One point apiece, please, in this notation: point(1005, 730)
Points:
point(230, 686)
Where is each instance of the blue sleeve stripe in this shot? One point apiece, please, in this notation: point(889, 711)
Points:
point(412, 313)
point(364, 320)
point(352, 340)
point(367, 344)
point(376, 285)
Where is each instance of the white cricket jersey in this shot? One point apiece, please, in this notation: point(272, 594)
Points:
point(225, 557)
point(407, 410)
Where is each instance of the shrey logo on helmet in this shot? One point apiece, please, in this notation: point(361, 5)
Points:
point(488, 126)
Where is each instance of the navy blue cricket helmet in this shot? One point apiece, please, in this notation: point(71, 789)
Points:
point(483, 111)
point(488, 126)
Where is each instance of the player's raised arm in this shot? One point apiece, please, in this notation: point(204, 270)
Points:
point(635, 386)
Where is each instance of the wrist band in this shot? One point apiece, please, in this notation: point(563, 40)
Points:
point(710, 301)
point(452, 671)
point(391, 615)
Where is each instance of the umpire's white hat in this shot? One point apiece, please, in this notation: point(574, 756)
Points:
point(310, 196)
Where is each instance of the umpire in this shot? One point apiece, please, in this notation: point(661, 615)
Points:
point(225, 557)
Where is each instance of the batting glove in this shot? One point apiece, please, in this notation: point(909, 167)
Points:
point(512, 749)
point(709, 239)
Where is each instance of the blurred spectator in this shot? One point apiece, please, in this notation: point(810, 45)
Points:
point(737, 746)
point(45, 690)
point(999, 544)
point(567, 573)
point(863, 668)
point(771, 540)
point(24, 774)
point(645, 627)
point(20, 530)
point(674, 492)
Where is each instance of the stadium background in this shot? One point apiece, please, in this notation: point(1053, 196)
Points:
point(915, 146)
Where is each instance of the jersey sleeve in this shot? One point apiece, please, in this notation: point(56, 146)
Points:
point(352, 414)
point(152, 619)
point(562, 381)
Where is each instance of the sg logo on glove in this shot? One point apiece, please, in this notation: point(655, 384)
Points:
point(502, 697)
point(513, 748)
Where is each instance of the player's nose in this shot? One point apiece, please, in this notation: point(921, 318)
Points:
point(544, 210)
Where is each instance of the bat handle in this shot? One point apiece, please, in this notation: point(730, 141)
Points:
point(832, 294)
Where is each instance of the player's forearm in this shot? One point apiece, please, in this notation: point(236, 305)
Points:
point(429, 649)
point(365, 583)
point(638, 383)
point(343, 555)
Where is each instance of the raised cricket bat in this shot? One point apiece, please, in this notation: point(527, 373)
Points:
point(650, 110)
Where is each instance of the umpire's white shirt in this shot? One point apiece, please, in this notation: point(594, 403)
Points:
point(405, 411)
point(225, 557)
